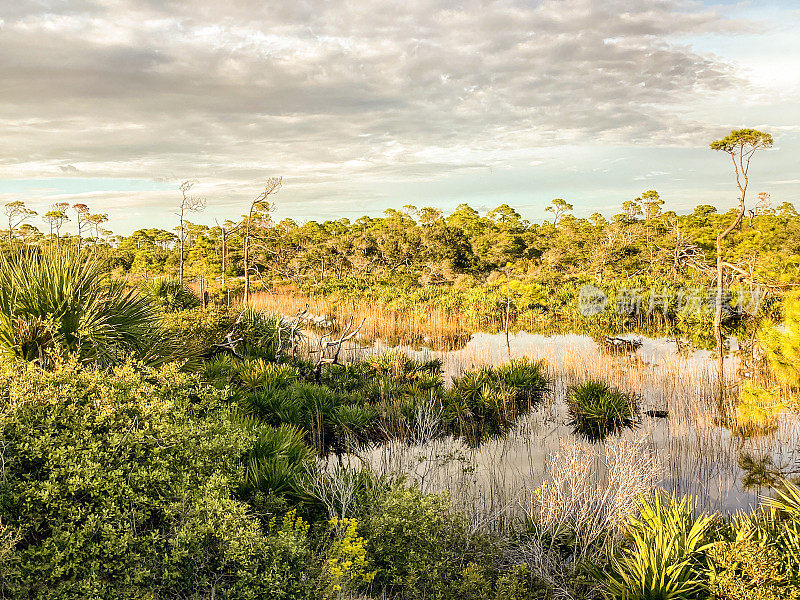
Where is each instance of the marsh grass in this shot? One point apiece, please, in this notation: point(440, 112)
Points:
point(425, 324)
point(598, 410)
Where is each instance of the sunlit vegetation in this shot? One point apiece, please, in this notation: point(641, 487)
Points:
point(161, 438)
point(598, 410)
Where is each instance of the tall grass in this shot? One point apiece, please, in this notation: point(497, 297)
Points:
point(436, 328)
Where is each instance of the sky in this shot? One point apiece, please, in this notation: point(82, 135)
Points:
point(363, 105)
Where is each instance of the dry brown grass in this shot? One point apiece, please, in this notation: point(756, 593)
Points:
point(423, 324)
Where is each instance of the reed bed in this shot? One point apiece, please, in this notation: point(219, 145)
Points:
point(415, 326)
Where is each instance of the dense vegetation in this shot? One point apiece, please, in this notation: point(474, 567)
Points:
point(157, 443)
point(656, 266)
point(206, 477)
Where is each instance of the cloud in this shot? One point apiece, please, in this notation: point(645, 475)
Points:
point(327, 93)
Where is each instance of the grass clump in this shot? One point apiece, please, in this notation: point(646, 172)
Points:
point(170, 294)
point(598, 410)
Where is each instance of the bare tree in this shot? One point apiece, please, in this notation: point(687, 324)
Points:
point(226, 229)
point(17, 214)
point(260, 204)
point(188, 204)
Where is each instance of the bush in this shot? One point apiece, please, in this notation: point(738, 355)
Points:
point(117, 484)
point(54, 305)
point(598, 410)
point(200, 328)
point(664, 553)
point(170, 294)
point(419, 546)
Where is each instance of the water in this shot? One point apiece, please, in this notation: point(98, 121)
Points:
point(700, 456)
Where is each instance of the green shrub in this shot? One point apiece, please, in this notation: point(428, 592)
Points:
point(200, 328)
point(117, 485)
point(170, 294)
point(598, 410)
point(54, 305)
point(259, 374)
point(275, 464)
point(419, 546)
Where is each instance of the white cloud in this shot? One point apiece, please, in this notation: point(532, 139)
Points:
point(332, 93)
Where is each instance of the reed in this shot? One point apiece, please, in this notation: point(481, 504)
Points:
point(412, 326)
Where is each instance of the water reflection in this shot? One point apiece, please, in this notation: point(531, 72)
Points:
point(682, 421)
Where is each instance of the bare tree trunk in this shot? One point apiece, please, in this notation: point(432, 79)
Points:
point(247, 257)
point(224, 266)
point(180, 240)
point(721, 273)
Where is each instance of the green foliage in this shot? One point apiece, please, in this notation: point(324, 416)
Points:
point(117, 485)
point(259, 374)
point(761, 560)
point(275, 466)
point(170, 294)
point(260, 333)
point(420, 548)
point(200, 328)
point(54, 305)
point(486, 402)
point(598, 410)
point(782, 345)
point(664, 553)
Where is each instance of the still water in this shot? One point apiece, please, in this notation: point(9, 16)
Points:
point(698, 454)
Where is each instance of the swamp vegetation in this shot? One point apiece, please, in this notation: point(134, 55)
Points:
point(413, 407)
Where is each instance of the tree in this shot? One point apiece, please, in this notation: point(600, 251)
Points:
point(82, 216)
point(188, 204)
point(652, 203)
point(17, 214)
point(94, 222)
point(56, 217)
point(259, 206)
point(558, 206)
point(741, 145)
point(631, 209)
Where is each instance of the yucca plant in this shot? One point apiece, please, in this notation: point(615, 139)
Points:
point(598, 410)
point(53, 304)
point(170, 294)
point(663, 555)
point(781, 527)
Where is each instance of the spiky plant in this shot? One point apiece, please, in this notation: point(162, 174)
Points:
point(53, 305)
point(781, 527)
point(527, 378)
point(170, 294)
point(598, 410)
point(260, 374)
point(276, 463)
point(663, 556)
